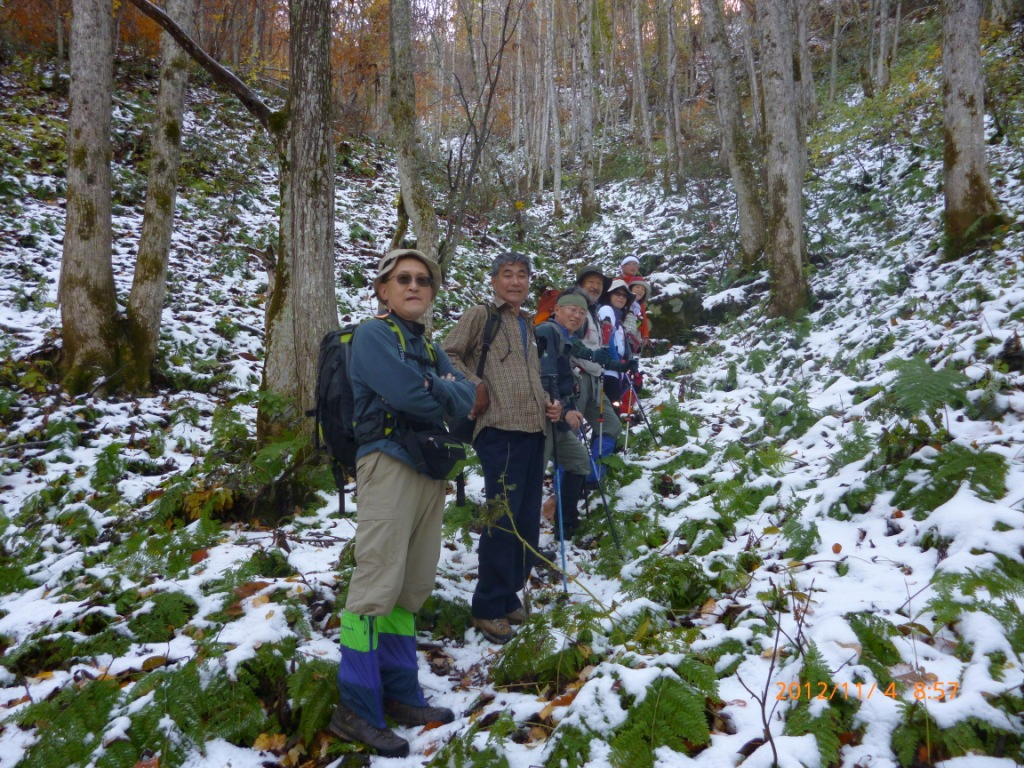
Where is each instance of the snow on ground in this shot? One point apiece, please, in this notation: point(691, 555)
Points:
point(884, 299)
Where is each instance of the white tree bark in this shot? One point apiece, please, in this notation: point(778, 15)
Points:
point(757, 104)
point(556, 120)
point(882, 74)
point(785, 161)
point(149, 284)
point(402, 108)
point(589, 205)
point(640, 77)
point(86, 292)
point(968, 192)
point(735, 139)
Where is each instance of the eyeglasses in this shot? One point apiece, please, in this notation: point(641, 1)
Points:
point(423, 281)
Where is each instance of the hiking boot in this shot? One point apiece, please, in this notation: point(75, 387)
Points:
point(409, 714)
point(516, 617)
point(348, 726)
point(496, 630)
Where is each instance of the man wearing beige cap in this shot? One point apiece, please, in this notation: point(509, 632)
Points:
point(400, 385)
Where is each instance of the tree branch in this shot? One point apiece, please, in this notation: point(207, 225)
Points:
point(218, 71)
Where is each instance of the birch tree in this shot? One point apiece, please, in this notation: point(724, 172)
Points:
point(735, 137)
point(149, 284)
point(415, 202)
point(640, 76)
point(86, 292)
point(784, 162)
point(589, 205)
point(970, 205)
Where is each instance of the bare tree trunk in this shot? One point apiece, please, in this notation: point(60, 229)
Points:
point(556, 119)
point(402, 108)
point(896, 33)
point(314, 310)
point(970, 206)
point(834, 63)
point(999, 13)
point(785, 161)
point(545, 99)
point(882, 76)
point(640, 77)
point(149, 284)
point(756, 103)
point(589, 205)
point(674, 169)
point(735, 139)
point(86, 294)
point(518, 129)
point(803, 73)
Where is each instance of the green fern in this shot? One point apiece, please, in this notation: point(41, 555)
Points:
point(802, 541)
point(109, 468)
point(701, 536)
point(873, 633)
point(878, 652)
point(852, 448)
point(160, 617)
point(535, 658)
point(994, 591)
point(700, 675)
point(826, 723)
point(461, 752)
point(678, 583)
point(672, 715)
point(918, 732)
point(571, 748)
point(920, 388)
point(947, 472)
point(68, 724)
point(313, 689)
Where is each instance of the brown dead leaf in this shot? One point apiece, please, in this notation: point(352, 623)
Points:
point(270, 742)
point(260, 600)
point(250, 589)
point(148, 762)
point(199, 555)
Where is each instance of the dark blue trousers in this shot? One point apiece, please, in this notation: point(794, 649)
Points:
point(513, 465)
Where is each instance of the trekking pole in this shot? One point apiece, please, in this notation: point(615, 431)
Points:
point(604, 501)
point(643, 413)
point(629, 423)
point(551, 386)
point(558, 505)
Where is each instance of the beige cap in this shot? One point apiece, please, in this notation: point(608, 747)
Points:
point(388, 263)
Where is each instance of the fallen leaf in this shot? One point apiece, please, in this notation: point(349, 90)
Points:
point(250, 589)
point(268, 742)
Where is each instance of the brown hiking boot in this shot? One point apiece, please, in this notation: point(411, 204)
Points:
point(495, 630)
point(348, 726)
point(408, 714)
point(516, 617)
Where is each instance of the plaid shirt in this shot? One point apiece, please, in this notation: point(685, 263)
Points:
point(512, 373)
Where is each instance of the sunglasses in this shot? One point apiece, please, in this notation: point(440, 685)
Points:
point(423, 281)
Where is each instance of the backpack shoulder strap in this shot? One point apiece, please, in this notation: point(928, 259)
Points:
point(490, 333)
point(431, 352)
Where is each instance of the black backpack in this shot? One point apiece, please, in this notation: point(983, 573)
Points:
point(334, 414)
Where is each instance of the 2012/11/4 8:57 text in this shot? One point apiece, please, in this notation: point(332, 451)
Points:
point(922, 691)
